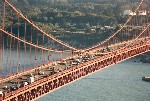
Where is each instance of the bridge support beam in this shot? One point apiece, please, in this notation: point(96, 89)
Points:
point(51, 83)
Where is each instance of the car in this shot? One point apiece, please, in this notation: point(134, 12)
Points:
point(5, 87)
point(13, 87)
point(22, 84)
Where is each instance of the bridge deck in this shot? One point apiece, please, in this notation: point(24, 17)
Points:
point(48, 69)
point(41, 72)
point(14, 82)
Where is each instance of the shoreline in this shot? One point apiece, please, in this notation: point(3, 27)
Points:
point(144, 58)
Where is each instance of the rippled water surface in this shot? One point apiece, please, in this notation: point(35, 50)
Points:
point(120, 82)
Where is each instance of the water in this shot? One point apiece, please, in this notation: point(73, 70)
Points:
point(120, 82)
point(26, 60)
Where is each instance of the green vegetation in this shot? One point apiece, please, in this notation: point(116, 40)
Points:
point(77, 22)
point(102, 12)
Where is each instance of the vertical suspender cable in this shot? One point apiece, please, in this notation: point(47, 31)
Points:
point(10, 54)
point(2, 36)
point(7, 38)
point(36, 57)
point(10, 47)
point(19, 61)
point(18, 48)
point(48, 54)
point(31, 46)
point(14, 53)
point(42, 55)
point(53, 51)
point(42, 49)
point(25, 31)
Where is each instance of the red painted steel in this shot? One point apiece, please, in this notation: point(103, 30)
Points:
point(51, 83)
point(116, 52)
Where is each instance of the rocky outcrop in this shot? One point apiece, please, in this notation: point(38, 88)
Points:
point(145, 58)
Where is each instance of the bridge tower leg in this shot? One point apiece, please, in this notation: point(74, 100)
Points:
point(3, 14)
point(2, 25)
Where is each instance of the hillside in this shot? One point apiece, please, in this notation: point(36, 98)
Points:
point(59, 15)
point(49, 13)
point(46, 2)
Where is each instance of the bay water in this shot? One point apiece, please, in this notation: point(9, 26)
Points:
point(119, 82)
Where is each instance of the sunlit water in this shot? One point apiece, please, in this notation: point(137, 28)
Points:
point(120, 82)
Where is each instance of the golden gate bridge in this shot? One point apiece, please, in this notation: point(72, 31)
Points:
point(33, 63)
